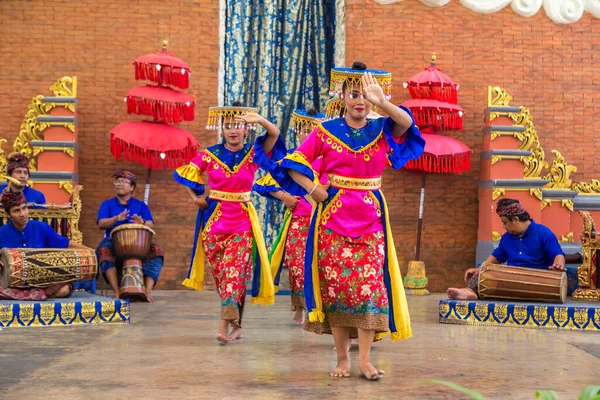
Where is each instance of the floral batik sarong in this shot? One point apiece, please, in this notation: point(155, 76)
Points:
point(351, 282)
point(295, 248)
point(229, 257)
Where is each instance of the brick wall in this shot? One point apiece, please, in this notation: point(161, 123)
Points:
point(97, 40)
point(547, 67)
point(551, 69)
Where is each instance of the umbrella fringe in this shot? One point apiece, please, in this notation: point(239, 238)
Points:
point(448, 120)
point(151, 158)
point(448, 94)
point(166, 75)
point(455, 164)
point(172, 113)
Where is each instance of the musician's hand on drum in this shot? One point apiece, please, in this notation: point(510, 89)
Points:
point(137, 219)
point(470, 274)
point(123, 215)
point(557, 267)
point(201, 202)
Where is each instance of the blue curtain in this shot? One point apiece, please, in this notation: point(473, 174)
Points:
point(278, 55)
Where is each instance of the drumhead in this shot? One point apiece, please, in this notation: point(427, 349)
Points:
point(5, 268)
point(564, 283)
point(131, 226)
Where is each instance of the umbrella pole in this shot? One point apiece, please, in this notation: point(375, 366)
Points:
point(147, 190)
point(420, 226)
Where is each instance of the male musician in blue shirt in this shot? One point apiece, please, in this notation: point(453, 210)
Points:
point(126, 209)
point(525, 244)
point(20, 232)
point(18, 169)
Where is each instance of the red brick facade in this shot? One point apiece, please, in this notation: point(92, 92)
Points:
point(546, 67)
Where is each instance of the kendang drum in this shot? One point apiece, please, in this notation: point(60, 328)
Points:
point(516, 283)
point(39, 268)
point(132, 243)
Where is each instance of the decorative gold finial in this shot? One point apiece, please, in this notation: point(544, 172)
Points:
point(165, 43)
point(433, 58)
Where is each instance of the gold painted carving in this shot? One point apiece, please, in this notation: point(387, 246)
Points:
point(67, 186)
point(568, 204)
point(3, 161)
point(65, 87)
point(67, 150)
point(31, 128)
point(589, 246)
point(545, 203)
point(567, 239)
point(559, 173)
point(497, 193)
point(537, 193)
point(496, 236)
point(498, 96)
point(587, 188)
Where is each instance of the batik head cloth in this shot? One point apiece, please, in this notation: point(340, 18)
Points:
point(126, 175)
point(510, 210)
point(12, 199)
point(17, 160)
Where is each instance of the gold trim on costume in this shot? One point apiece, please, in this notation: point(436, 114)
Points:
point(229, 196)
point(338, 145)
point(346, 182)
point(211, 157)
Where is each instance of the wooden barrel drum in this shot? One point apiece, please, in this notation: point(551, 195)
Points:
point(516, 283)
point(26, 268)
point(132, 243)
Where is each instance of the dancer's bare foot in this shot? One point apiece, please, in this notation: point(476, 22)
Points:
point(235, 334)
point(342, 370)
point(461, 294)
point(368, 371)
point(292, 308)
point(299, 316)
point(149, 295)
point(222, 339)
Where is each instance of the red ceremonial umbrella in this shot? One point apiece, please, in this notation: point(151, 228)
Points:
point(163, 68)
point(442, 155)
point(437, 114)
point(432, 83)
point(162, 103)
point(157, 145)
point(152, 144)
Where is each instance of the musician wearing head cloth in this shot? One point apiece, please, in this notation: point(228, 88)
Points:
point(119, 210)
point(228, 240)
point(352, 282)
point(525, 244)
point(18, 170)
point(20, 232)
point(290, 245)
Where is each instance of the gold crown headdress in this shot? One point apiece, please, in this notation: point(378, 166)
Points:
point(216, 115)
point(353, 77)
point(302, 120)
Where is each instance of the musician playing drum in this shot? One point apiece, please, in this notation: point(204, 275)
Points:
point(525, 244)
point(20, 232)
point(126, 209)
